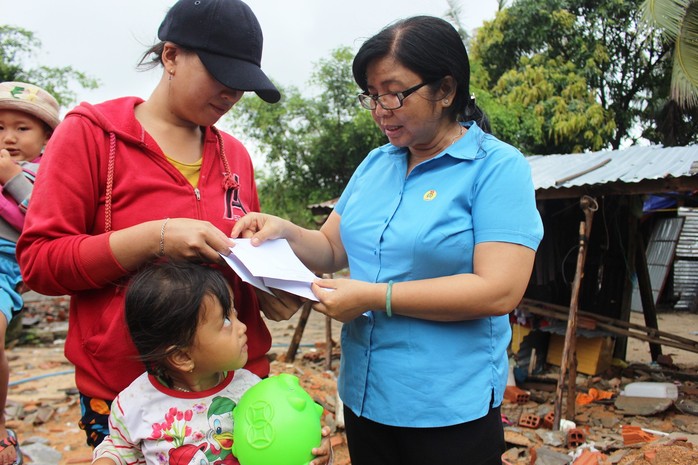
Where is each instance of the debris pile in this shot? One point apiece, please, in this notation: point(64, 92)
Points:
point(609, 426)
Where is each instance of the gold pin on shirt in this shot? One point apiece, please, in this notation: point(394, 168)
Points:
point(430, 195)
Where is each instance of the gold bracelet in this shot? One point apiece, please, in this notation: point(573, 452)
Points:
point(162, 237)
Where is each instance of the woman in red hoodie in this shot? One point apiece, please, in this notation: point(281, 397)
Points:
point(127, 182)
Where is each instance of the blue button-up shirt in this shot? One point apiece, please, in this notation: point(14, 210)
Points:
point(411, 372)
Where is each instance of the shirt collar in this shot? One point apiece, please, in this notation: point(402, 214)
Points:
point(465, 148)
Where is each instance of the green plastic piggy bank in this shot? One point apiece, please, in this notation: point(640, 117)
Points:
point(276, 422)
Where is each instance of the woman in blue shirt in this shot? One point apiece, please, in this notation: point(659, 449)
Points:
point(439, 229)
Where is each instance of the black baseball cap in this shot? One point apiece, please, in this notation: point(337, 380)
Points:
point(226, 36)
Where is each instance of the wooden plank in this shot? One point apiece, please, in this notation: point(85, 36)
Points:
point(609, 324)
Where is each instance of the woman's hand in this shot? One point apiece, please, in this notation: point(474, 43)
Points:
point(260, 227)
point(176, 238)
point(194, 240)
point(323, 453)
point(346, 299)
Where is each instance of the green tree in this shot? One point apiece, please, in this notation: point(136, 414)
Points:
point(600, 41)
point(18, 47)
point(678, 21)
point(313, 144)
point(675, 108)
point(674, 124)
point(551, 108)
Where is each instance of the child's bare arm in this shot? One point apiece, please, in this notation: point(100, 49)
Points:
point(103, 461)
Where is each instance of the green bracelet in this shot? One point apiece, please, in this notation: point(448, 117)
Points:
point(388, 297)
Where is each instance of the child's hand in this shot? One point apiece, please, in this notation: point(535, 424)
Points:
point(8, 167)
point(323, 454)
point(279, 308)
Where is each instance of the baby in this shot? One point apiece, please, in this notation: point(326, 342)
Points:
point(28, 116)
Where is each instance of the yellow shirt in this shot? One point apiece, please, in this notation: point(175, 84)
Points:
point(190, 171)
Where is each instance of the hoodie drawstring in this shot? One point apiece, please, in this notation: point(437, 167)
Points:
point(228, 181)
point(110, 182)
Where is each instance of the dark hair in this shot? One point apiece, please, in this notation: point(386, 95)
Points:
point(432, 48)
point(162, 308)
point(152, 58)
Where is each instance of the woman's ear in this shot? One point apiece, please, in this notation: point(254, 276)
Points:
point(169, 57)
point(179, 359)
point(447, 90)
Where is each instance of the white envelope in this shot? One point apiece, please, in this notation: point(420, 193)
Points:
point(271, 264)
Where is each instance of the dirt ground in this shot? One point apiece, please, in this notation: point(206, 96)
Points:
point(681, 324)
point(43, 408)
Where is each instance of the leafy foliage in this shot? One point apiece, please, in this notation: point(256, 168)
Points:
point(17, 48)
point(678, 22)
point(569, 46)
point(557, 112)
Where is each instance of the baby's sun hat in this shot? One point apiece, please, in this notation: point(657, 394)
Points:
point(22, 96)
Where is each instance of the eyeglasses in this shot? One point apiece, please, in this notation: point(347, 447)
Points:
point(389, 100)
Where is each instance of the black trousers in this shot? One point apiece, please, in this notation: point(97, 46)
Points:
point(478, 442)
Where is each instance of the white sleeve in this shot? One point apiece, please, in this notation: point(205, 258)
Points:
point(117, 446)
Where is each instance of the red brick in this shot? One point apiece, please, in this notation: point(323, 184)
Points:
point(575, 438)
point(529, 420)
point(516, 395)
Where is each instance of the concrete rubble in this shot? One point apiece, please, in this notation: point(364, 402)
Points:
point(617, 430)
point(43, 404)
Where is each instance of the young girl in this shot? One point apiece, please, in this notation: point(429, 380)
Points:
point(183, 322)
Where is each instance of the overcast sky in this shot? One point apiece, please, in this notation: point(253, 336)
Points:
point(106, 38)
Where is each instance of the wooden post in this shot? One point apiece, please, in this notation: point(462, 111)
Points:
point(328, 343)
point(298, 333)
point(569, 356)
point(569, 351)
point(300, 327)
point(645, 285)
point(620, 349)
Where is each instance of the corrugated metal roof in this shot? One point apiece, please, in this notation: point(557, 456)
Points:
point(629, 165)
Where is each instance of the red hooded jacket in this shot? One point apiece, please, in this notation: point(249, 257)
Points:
point(64, 247)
